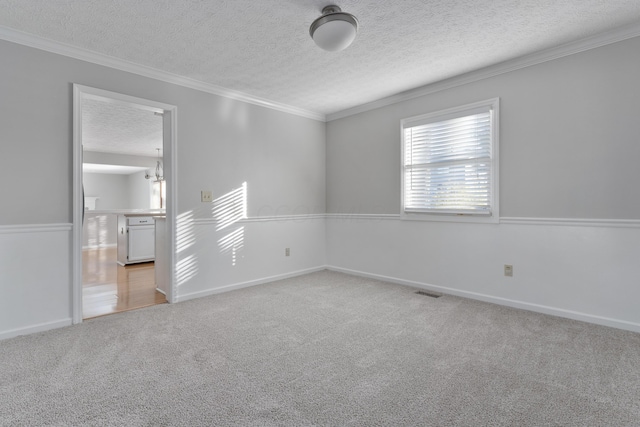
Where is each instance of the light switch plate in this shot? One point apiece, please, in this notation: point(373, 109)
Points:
point(206, 196)
point(508, 270)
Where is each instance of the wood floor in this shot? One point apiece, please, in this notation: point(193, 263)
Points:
point(111, 288)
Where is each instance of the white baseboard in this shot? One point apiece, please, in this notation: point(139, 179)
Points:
point(235, 286)
point(35, 328)
point(598, 320)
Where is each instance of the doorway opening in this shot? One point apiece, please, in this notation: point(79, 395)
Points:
point(124, 207)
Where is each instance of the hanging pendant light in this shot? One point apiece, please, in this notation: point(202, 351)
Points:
point(159, 170)
point(335, 30)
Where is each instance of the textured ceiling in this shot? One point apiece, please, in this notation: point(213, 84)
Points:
point(262, 48)
point(112, 127)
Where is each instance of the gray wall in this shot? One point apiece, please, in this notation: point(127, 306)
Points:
point(279, 156)
point(112, 190)
point(131, 191)
point(568, 150)
point(568, 140)
point(221, 142)
point(139, 190)
point(119, 159)
point(569, 198)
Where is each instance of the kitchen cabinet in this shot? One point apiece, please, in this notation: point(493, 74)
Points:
point(136, 239)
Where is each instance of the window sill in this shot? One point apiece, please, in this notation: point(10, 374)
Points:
point(434, 217)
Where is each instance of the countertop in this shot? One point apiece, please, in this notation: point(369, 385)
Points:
point(128, 212)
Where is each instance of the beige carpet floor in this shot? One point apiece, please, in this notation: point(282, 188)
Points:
point(324, 349)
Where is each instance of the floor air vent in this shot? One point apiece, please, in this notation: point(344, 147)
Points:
point(428, 294)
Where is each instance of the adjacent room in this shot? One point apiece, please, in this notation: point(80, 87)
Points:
point(124, 201)
point(316, 213)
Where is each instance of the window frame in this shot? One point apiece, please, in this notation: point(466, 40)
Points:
point(494, 200)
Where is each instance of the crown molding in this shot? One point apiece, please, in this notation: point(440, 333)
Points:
point(30, 40)
point(598, 40)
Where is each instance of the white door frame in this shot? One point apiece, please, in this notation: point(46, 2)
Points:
point(170, 132)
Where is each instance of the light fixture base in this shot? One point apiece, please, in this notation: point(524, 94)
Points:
point(331, 9)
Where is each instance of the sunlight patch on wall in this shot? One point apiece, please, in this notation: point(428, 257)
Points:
point(185, 231)
point(232, 244)
point(186, 269)
point(228, 210)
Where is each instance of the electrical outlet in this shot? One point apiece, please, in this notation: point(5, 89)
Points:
point(206, 196)
point(508, 270)
point(287, 252)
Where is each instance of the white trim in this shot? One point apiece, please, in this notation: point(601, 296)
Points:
point(298, 218)
point(578, 222)
point(569, 222)
point(283, 218)
point(460, 218)
point(569, 314)
point(121, 98)
point(171, 211)
point(247, 284)
point(593, 42)
point(77, 207)
point(357, 216)
point(41, 327)
point(34, 228)
point(25, 39)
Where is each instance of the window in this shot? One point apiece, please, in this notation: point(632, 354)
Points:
point(450, 164)
point(158, 195)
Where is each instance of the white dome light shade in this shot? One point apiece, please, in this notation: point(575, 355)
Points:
point(334, 30)
point(334, 35)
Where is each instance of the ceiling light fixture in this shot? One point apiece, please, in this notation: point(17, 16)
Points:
point(335, 30)
point(159, 171)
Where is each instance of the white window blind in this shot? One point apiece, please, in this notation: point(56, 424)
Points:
point(448, 161)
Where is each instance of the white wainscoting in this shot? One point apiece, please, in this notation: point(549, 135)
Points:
point(213, 257)
point(585, 270)
point(35, 278)
point(219, 256)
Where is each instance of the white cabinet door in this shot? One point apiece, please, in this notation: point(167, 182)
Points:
point(141, 243)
